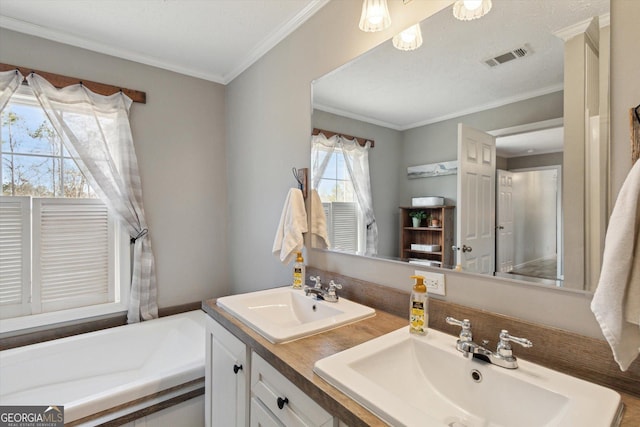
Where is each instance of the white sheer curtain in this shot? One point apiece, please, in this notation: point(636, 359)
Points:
point(96, 129)
point(356, 158)
point(9, 82)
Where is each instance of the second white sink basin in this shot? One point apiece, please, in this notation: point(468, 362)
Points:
point(284, 314)
point(409, 380)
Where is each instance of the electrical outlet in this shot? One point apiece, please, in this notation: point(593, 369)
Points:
point(433, 281)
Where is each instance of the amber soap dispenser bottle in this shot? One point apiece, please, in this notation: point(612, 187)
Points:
point(418, 307)
point(298, 272)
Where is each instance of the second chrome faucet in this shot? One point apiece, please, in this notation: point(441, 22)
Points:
point(503, 356)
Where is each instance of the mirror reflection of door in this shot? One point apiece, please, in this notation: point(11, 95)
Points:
point(476, 200)
point(504, 227)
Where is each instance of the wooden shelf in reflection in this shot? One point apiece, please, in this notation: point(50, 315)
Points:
point(442, 235)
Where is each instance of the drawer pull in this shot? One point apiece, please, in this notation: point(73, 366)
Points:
point(237, 368)
point(282, 402)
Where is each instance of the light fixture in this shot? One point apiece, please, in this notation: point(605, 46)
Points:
point(375, 16)
point(409, 39)
point(466, 10)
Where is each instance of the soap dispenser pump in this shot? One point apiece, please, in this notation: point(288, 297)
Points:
point(418, 307)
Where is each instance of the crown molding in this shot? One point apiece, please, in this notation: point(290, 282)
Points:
point(274, 38)
point(81, 42)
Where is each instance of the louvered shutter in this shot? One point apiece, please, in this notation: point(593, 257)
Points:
point(344, 226)
point(72, 254)
point(15, 256)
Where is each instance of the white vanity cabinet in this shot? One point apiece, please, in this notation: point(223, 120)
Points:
point(227, 371)
point(287, 403)
point(242, 389)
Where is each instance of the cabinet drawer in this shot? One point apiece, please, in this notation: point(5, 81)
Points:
point(261, 417)
point(272, 388)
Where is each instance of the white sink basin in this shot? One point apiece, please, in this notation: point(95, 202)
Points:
point(285, 314)
point(409, 380)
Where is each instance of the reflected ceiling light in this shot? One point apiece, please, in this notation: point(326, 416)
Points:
point(375, 16)
point(466, 10)
point(409, 39)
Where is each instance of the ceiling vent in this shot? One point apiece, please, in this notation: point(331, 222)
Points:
point(518, 53)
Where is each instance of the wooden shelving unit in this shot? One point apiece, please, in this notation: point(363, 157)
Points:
point(424, 235)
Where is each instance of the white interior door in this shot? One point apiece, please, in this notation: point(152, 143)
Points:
point(476, 200)
point(504, 228)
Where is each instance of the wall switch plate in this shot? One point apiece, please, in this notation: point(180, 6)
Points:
point(433, 281)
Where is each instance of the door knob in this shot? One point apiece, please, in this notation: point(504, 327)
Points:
point(466, 248)
point(500, 227)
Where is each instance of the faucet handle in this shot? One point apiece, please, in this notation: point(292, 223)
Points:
point(465, 333)
point(317, 281)
point(332, 295)
point(504, 348)
point(333, 286)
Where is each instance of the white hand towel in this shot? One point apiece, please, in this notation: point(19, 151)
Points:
point(616, 302)
point(319, 237)
point(293, 223)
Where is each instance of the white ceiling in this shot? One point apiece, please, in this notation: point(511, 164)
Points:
point(218, 39)
point(531, 143)
point(211, 39)
point(447, 76)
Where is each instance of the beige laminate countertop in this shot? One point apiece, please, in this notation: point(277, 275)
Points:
point(295, 361)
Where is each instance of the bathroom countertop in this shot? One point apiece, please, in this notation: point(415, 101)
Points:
point(295, 361)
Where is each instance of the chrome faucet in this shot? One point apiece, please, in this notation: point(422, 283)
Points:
point(503, 356)
point(317, 292)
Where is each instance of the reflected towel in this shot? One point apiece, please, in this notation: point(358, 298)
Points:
point(616, 302)
point(293, 223)
point(319, 237)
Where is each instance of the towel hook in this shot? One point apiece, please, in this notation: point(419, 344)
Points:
point(296, 175)
point(301, 177)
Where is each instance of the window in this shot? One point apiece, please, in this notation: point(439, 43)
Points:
point(59, 245)
point(345, 222)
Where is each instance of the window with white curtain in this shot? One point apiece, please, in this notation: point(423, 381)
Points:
point(345, 222)
point(59, 245)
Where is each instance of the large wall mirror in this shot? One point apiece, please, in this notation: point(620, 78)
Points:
point(502, 120)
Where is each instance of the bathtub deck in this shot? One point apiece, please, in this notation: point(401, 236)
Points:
point(107, 370)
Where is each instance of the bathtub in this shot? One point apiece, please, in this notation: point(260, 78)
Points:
point(100, 376)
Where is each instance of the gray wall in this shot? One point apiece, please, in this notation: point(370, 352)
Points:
point(535, 161)
point(384, 164)
point(269, 123)
point(625, 86)
point(179, 139)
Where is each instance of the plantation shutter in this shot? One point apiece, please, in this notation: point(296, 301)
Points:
point(343, 229)
point(15, 255)
point(71, 254)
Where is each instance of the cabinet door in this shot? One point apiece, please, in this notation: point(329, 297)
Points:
point(226, 378)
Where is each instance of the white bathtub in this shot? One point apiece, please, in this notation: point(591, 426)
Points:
point(103, 370)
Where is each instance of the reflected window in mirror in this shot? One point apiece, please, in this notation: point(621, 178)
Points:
point(340, 175)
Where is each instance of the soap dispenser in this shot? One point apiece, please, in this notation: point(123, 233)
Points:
point(418, 307)
point(298, 272)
